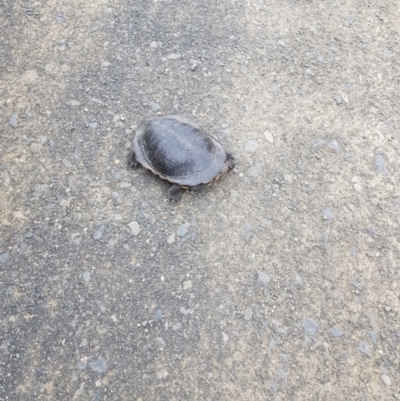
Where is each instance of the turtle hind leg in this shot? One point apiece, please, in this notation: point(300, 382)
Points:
point(132, 161)
point(175, 193)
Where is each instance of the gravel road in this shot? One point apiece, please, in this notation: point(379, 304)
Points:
point(281, 281)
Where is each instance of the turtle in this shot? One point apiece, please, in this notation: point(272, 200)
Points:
point(180, 152)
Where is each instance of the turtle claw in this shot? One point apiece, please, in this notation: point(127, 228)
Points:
point(175, 193)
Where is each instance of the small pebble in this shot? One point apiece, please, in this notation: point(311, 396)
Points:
point(185, 311)
point(116, 196)
point(386, 379)
point(160, 341)
point(13, 121)
point(86, 277)
point(335, 332)
point(60, 18)
point(380, 164)
point(251, 146)
point(177, 326)
point(187, 285)
point(338, 99)
point(247, 229)
point(171, 239)
point(135, 228)
point(263, 278)
point(374, 336)
point(309, 71)
point(302, 89)
point(357, 285)
point(155, 106)
point(387, 53)
point(157, 314)
point(173, 56)
point(182, 231)
point(193, 66)
point(6, 178)
point(19, 215)
point(73, 103)
point(344, 97)
point(125, 185)
point(99, 233)
point(255, 170)
point(288, 178)
point(119, 175)
point(4, 345)
point(248, 314)
point(99, 365)
point(99, 394)
point(3, 257)
point(388, 308)
point(81, 365)
point(327, 214)
point(310, 326)
point(273, 88)
point(268, 136)
point(319, 143)
point(334, 145)
point(364, 349)
point(67, 163)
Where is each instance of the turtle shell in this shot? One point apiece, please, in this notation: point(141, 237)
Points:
point(179, 151)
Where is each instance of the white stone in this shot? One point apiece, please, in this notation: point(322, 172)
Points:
point(268, 136)
point(135, 228)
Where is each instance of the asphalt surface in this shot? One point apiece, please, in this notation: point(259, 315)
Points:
point(278, 282)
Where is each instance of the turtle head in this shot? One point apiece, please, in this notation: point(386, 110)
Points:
point(230, 162)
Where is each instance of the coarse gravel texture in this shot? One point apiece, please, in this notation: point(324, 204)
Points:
point(278, 282)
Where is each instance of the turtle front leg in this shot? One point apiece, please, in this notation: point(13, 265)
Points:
point(132, 161)
point(175, 193)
